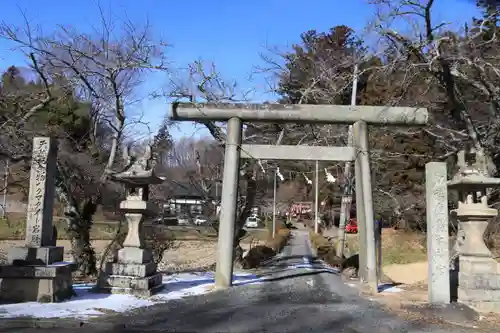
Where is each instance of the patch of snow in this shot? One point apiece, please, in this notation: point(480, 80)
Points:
point(61, 263)
point(316, 267)
point(87, 304)
point(393, 290)
point(388, 288)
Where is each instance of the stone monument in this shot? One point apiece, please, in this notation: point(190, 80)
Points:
point(35, 272)
point(479, 273)
point(436, 195)
point(133, 270)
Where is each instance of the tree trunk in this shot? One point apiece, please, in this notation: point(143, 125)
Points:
point(79, 224)
point(402, 223)
point(239, 232)
point(79, 230)
point(81, 248)
point(83, 253)
point(238, 255)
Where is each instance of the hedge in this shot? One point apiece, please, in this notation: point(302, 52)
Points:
point(262, 253)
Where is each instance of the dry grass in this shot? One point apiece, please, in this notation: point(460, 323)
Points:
point(261, 253)
point(189, 255)
point(14, 229)
point(183, 255)
point(318, 240)
point(398, 247)
point(279, 241)
point(326, 249)
point(416, 295)
point(255, 236)
point(193, 248)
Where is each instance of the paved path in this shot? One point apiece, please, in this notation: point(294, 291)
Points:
point(298, 300)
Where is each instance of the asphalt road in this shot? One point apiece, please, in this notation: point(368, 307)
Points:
point(297, 300)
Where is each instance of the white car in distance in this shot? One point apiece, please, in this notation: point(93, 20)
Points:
point(200, 219)
point(252, 222)
point(183, 220)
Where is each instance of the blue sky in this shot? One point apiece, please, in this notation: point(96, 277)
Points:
point(230, 33)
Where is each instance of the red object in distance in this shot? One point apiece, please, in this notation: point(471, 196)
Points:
point(352, 226)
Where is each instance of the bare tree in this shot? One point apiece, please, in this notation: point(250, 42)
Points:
point(457, 67)
point(197, 165)
point(428, 65)
point(16, 142)
point(453, 71)
point(203, 83)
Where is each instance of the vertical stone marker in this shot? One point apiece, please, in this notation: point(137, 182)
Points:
point(436, 192)
point(35, 272)
point(41, 193)
point(40, 247)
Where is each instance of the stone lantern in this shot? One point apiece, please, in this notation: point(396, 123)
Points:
point(479, 273)
point(133, 270)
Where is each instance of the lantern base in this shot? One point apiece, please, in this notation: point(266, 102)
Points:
point(133, 273)
point(132, 285)
point(134, 255)
point(479, 283)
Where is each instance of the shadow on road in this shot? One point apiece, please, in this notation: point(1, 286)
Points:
point(275, 310)
point(296, 275)
point(280, 260)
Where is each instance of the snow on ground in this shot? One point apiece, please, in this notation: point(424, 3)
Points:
point(316, 268)
point(87, 304)
point(318, 265)
point(389, 288)
point(383, 288)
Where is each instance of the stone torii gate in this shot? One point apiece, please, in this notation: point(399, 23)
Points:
point(360, 116)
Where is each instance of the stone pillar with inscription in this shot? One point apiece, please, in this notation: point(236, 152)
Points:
point(479, 273)
point(134, 271)
point(436, 194)
point(36, 271)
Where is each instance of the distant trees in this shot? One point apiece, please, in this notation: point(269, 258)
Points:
point(453, 73)
point(203, 83)
point(319, 70)
point(191, 162)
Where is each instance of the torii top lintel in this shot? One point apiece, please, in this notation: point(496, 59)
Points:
point(293, 113)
